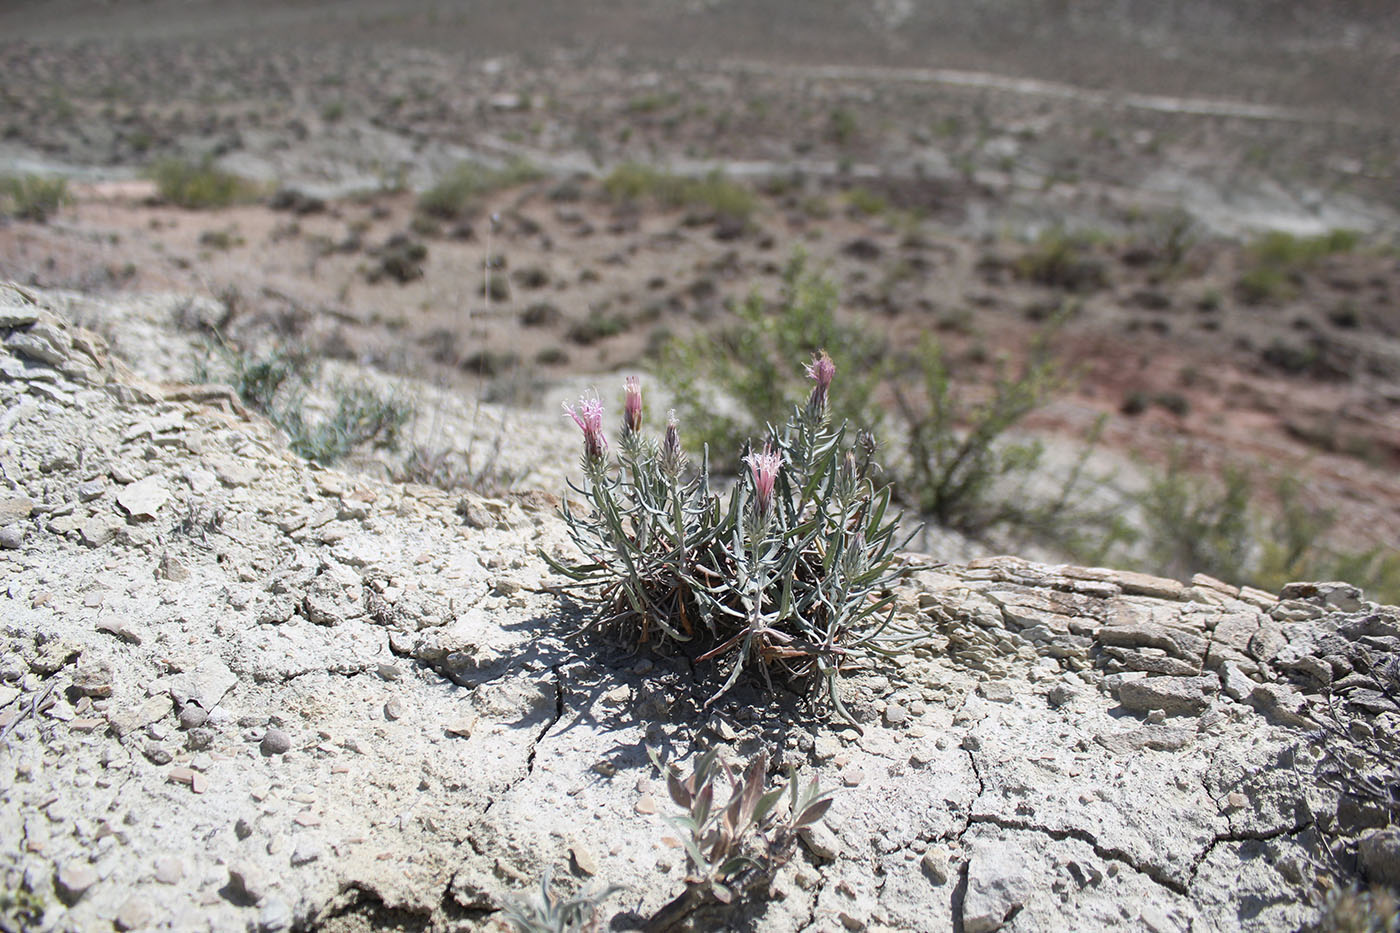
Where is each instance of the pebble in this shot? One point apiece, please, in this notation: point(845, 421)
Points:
point(896, 715)
point(242, 828)
point(306, 852)
point(74, 878)
point(388, 672)
point(584, 858)
point(935, 866)
point(192, 715)
point(393, 709)
point(169, 870)
point(12, 537)
point(134, 914)
point(275, 742)
point(274, 916)
point(156, 753)
point(247, 880)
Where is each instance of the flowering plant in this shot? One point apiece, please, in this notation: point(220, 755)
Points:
point(792, 574)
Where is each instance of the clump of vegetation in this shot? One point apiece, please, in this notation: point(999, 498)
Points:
point(274, 385)
point(866, 202)
point(733, 845)
point(964, 467)
point(1237, 528)
point(21, 909)
point(752, 360)
point(1349, 910)
point(362, 416)
point(789, 577)
point(199, 185)
point(1060, 259)
point(1278, 263)
point(599, 325)
point(460, 191)
point(719, 197)
point(33, 197)
point(553, 913)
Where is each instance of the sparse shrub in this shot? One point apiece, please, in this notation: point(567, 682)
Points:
point(961, 459)
point(751, 360)
point(866, 202)
point(1349, 910)
point(401, 258)
point(790, 576)
point(541, 314)
point(460, 191)
point(1060, 259)
point(599, 325)
point(721, 198)
point(362, 416)
point(1196, 524)
point(274, 383)
point(733, 844)
point(198, 185)
point(33, 197)
point(842, 126)
point(1279, 262)
point(557, 914)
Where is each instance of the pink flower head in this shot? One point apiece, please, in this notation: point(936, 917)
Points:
point(589, 418)
point(821, 371)
point(765, 473)
point(632, 406)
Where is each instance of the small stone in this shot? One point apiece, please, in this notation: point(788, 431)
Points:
point(15, 509)
point(388, 672)
point(1060, 695)
point(181, 775)
point(248, 881)
point(274, 916)
point(1236, 800)
point(171, 569)
point(169, 870)
point(134, 914)
point(306, 852)
point(192, 716)
point(1380, 856)
point(93, 679)
point(393, 709)
point(1157, 716)
point(821, 841)
point(1175, 696)
point(584, 859)
point(73, 880)
point(12, 537)
point(242, 828)
point(896, 715)
point(91, 489)
point(98, 530)
point(143, 499)
point(127, 719)
point(852, 777)
point(935, 866)
point(646, 805)
point(156, 753)
point(275, 742)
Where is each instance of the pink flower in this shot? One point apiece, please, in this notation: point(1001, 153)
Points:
point(821, 371)
point(589, 418)
point(765, 468)
point(632, 406)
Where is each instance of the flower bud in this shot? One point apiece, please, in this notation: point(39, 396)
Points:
point(632, 406)
point(589, 418)
point(821, 371)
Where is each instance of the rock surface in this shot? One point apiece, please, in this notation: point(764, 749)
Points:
point(352, 704)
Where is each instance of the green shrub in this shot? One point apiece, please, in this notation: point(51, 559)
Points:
point(362, 416)
point(33, 197)
point(964, 469)
point(1277, 262)
point(555, 913)
point(198, 185)
point(460, 191)
point(866, 202)
point(1064, 260)
point(750, 362)
point(715, 194)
